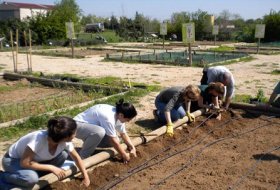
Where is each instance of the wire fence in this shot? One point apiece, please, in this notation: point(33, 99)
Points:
point(177, 58)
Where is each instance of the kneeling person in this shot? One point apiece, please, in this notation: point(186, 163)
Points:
point(98, 127)
point(39, 153)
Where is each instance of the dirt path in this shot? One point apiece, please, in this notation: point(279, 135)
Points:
point(249, 76)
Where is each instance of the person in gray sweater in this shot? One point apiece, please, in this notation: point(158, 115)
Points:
point(170, 105)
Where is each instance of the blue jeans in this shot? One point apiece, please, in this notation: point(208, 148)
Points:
point(176, 113)
point(16, 176)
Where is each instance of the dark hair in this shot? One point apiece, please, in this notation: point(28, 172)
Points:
point(127, 109)
point(218, 87)
point(61, 127)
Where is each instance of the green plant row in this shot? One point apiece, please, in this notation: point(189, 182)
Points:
point(39, 122)
point(15, 111)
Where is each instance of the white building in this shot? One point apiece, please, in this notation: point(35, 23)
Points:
point(10, 10)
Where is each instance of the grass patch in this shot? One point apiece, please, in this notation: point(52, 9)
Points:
point(40, 122)
point(108, 80)
point(242, 59)
point(275, 72)
point(242, 98)
point(12, 111)
point(15, 87)
point(57, 54)
point(261, 65)
point(109, 35)
point(223, 48)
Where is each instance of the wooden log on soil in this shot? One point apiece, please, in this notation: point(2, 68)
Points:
point(254, 107)
point(104, 155)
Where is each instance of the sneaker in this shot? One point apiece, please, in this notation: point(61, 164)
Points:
point(155, 113)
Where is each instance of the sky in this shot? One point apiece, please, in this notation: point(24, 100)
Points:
point(163, 9)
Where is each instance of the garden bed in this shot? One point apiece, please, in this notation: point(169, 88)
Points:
point(78, 52)
point(20, 99)
point(24, 95)
point(239, 152)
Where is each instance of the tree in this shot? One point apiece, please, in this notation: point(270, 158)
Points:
point(114, 24)
point(201, 18)
point(177, 19)
point(52, 25)
point(11, 25)
point(272, 28)
point(64, 11)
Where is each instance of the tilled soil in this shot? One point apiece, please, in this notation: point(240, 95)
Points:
point(235, 153)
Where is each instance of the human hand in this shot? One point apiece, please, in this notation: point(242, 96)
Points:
point(85, 181)
point(169, 130)
point(60, 173)
point(219, 117)
point(126, 157)
point(213, 107)
point(133, 152)
point(191, 117)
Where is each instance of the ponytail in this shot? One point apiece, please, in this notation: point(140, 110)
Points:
point(61, 127)
point(127, 109)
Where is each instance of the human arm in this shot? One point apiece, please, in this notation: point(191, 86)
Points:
point(190, 116)
point(168, 117)
point(188, 105)
point(176, 99)
point(27, 162)
point(116, 144)
point(77, 159)
point(227, 102)
point(215, 102)
point(129, 144)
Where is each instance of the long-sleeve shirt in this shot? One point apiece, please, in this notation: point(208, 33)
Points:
point(172, 97)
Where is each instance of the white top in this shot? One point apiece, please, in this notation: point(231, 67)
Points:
point(216, 74)
point(104, 116)
point(38, 142)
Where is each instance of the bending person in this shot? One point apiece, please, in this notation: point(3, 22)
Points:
point(220, 74)
point(210, 97)
point(39, 153)
point(170, 105)
point(98, 127)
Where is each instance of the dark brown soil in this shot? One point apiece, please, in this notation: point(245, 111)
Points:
point(239, 145)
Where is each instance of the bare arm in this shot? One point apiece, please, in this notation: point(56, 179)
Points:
point(76, 157)
point(215, 101)
point(119, 149)
point(227, 102)
point(129, 144)
point(188, 106)
point(27, 162)
point(168, 117)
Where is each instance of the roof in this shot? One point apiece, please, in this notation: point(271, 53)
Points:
point(29, 5)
